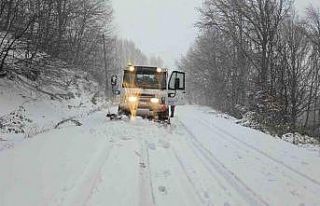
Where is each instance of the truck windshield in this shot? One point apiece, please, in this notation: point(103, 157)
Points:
point(145, 78)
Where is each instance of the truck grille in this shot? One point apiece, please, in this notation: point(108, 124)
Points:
point(144, 100)
point(146, 97)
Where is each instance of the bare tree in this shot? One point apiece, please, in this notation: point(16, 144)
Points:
point(257, 55)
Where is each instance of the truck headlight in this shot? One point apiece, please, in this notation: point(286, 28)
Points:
point(131, 68)
point(154, 100)
point(132, 99)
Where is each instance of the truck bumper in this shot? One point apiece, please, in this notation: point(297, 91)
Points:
point(144, 110)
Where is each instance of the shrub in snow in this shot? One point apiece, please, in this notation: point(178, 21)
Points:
point(239, 111)
point(297, 138)
point(251, 119)
point(15, 122)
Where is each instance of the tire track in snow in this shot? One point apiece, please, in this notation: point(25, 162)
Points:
point(191, 181)
point(172, 156)
point(242, 188)
point(200, 192)
point(213, 174)
point(82, 189)
point(146, 190)
point(145, 183)
point(260, 152)
point(150, 180)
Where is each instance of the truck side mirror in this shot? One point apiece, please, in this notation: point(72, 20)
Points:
point(177, 81)
point(114, 80)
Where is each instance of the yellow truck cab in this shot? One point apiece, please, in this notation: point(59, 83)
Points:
point(146, 91)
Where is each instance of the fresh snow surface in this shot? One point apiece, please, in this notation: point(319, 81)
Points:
point(201, 159)
point(34, 113)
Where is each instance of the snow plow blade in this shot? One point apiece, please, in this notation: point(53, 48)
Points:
point(114, 116)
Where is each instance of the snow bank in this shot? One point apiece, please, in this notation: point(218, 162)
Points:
point(26, 112)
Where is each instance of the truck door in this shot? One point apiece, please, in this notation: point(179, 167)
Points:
point(176, 88)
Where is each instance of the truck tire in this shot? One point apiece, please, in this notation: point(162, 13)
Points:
point(172, 110)
point(123, 112)
point(164, 116)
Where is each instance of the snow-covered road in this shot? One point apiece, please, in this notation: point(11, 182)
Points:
point(203, 158)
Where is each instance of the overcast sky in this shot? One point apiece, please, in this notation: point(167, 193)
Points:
point(164, 28)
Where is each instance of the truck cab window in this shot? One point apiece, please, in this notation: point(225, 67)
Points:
point(145, 79)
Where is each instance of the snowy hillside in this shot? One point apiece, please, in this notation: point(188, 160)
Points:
point(25, 111)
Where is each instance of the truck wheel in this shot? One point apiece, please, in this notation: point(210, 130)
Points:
point(123, 112)
point(172, 110)
point(120, 111)
point(163, 116)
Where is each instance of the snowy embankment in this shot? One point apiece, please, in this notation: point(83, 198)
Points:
point(203, 158)
point(249, 120)
point(26, 112)
point(38, 91)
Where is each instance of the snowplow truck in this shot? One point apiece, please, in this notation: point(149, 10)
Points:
point(148, 91)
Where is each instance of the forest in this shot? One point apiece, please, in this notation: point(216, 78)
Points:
point(255, 58)
point(258, 58)
point(78, 33)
